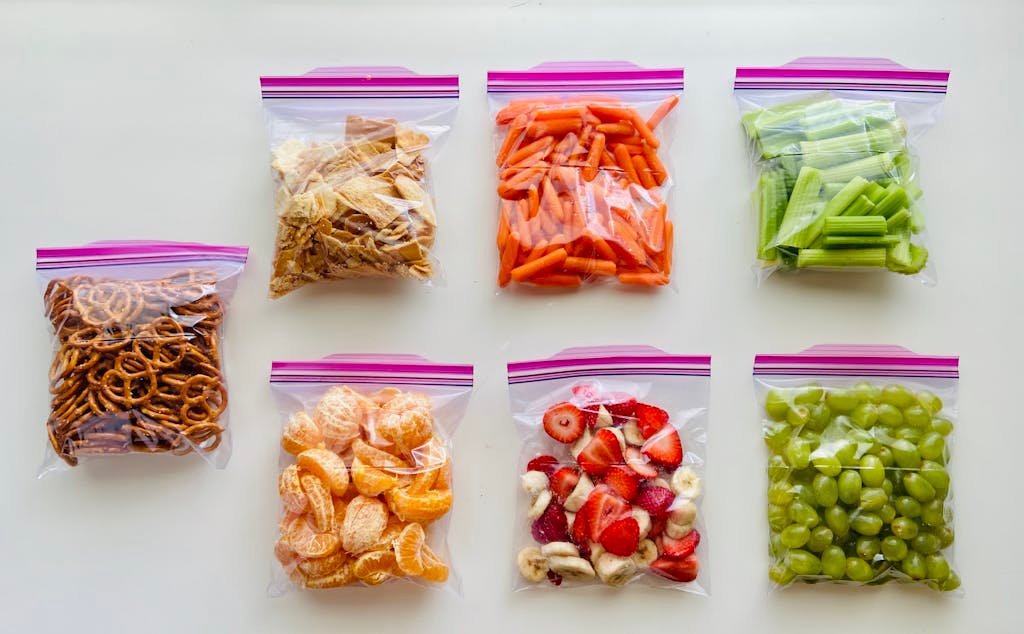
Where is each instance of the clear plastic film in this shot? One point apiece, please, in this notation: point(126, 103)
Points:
point(833, 141)
point(860, 442)
point(352, 149)
point(365, 470)
point(137, 349)
point(611, 469)
point(582, 153)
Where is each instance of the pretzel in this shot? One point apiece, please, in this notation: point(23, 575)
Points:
point(137, 366)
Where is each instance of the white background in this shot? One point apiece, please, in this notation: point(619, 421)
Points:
point(132, 119)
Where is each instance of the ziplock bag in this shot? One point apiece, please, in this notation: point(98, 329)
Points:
point(832, 141)
point(352, 148)
point(859, 441)
point(365, 480)
point(582, 150)
point(611, 468)
point(137, 348)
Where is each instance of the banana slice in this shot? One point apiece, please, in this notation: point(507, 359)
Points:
point(580, 494)
point(643, 519)
point(684, 512)
point(571, 567)
point(596, 550)
point(645, 553)
point(533, 565)
point(581, 444)
point(686, 483)
point(560, 549)
point(661, 482)
point(539, 504)
point(534, 482)
point(604, 418)
point(677, 531)
point(622, 438)
point(632, 433)
point(615, 570)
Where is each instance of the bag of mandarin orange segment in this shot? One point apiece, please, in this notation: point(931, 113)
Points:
point(582, 155)
point(611, 468)
point(365, 481)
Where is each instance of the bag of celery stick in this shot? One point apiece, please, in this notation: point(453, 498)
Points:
point(832, 140)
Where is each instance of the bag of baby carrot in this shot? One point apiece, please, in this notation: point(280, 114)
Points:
point(583, 172)
point(832, 140)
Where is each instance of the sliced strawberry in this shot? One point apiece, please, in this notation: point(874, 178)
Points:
point(545, 464)
point(621, 537)
point(623, 480)
point(685, 569)
point(554, 577)
point(590, 413)
point(602, 452)
point(563, 481)
point(602, 509)
point(564, 422)
point(621, 406)
point(657, 527)
point(664, 447)
point(655, 500)
point(580, 531)
point(637, 462)
point(552, 525)
point(650, 419)
point(682, 547)
point(586, 393)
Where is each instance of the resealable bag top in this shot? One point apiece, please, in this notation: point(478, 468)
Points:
point(582, 155)
point(859, 441)
point(611, 468)
point(833, 141)
point(352, 148)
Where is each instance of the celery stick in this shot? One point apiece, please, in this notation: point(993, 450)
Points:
point(860, 207)
point(779, 144)
point(895, 199)
point(916, 258)
point(875, 193)
point(771, 205)
point(855, 226)
point(830, 129)
point(831, 189)
point(804, 206)
point(883, 140)
point(844, 242)
point(897, 220)
point(835, 207)
point(913, 191)
point(903, 167)
point(841, 258)
point(871, 168)
point(898, 255)
point(916, 219)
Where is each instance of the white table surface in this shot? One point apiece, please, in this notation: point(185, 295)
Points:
point(123, 120)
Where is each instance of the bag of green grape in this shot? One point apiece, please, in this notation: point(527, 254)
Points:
point(859, 441)
point(833, 140)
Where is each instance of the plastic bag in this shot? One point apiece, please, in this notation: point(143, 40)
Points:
point(859, 439)
point(365, 480)
point(832, 141)
point(137, 362)
point(352, 151)
point(582, 153)
point(611, 468)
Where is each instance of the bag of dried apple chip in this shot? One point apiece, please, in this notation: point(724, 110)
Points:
point(351, 152)
point(365, 481)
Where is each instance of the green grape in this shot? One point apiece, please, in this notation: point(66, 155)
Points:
point(827, 465)
point(912, 434)
point(866, 523)
point(905, 453)
point(795, 535)
point(897, 396)
point(942, 426)
point(776, 548)
point(776, 403)
point(908, 506)
point(926, 543)
point(887, 513)
point(867, 393)
point(904, 528)
point(833, 562)
point(918, 487)
point(937, 476)
point(811, 437)
point(798, 415)
point(849, 487)
point(780, 493)
point(858, 570)
point(887, 486)
point(801, 513)
point(778, 518)
point(951, 583)
point(933, 513)
point(929, 401)
point(889, 415)
point(819, 417)
point(931, 446)
point(820, 539)
point(860, 436)
point(894, 548)
point(872, 471)
point(914, 566)
point(804, 493)
point(867, 548)
point(916, 416)
point(809, 394)
point(841, 401)
point(803, 563)
point(872, 498)
point(826, 490)
point(936, 567)
point(884, 454)
point(777, 435)
point(846, 451)
point(945, 536)
point(777, 469)
point(798, 453)
point(780, 574)
point(838, 520)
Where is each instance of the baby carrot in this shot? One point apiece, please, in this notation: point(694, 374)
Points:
point(528, 270)
point(657, 167)
point(588, 266)
point(625, 162)
point(514, 134)
point(508, 259)
point(601, 246)
point(644, 172)
point(643, 279)
point(666, 255)
point(622, 128)
point(607, 160)
point(564, 280)
point(615, 114)
point(549, 198)
point(529, 161)
point(533, 200)
point(562, 112)
point(594, 157)
point(553, 127)
point(539, 250)
point(522, 211)
point(663, 109)
point(543, 143)
point(521, 180)
point(564, 147)
point(503, 225)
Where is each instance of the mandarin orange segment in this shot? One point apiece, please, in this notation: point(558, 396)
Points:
point(322, 566)
point(408, 549)
point(321, 507)
point(434, 569)
point(423, 481)
point(339, 510)
point(284, 554)
point(371, 481)
point(391, 532)
point(340, 577)
point(375, 457)
point(340, 404)
point(422, 507)
point(406, 430)
point(364, 523)
point(384, 395)
point(300, 434)
point(308, 542)
point(292, 495)
point(339, 434)
point(376, 567)
point(326, 465)
point(405, 401)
